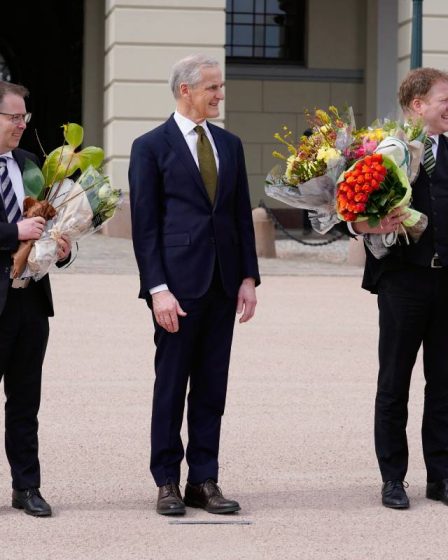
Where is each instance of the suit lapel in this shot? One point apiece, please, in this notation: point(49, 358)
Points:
point(223, 155)
point(19, 156)
point(177, 142)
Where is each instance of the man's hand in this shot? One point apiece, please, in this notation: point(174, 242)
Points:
point(30, 228)
point(166, 309)
point(247, 300)
point(64, 247)
point(389, 223)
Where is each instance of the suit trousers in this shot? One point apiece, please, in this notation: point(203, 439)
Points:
point(199, 353)
point(24, 333)
point(413, 311)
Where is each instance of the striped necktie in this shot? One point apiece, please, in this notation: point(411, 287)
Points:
point(9, 196)
point(429, 161)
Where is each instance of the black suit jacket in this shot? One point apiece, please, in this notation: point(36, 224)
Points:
point(9, 242)
point(179, 236)
point(430, 196)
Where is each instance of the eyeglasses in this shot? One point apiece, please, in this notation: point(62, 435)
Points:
point(18, 117)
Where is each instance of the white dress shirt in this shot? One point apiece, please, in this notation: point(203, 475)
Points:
point(16, 178)
point(191, 138)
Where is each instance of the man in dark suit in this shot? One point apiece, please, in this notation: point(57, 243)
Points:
point(194, 244)
point(24, 310)
point(412, 287)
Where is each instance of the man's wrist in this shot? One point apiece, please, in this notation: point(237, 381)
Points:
point(158, 288)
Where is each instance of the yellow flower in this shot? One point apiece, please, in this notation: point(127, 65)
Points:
point(326, 154)
point(290, 165)
point(323, 116)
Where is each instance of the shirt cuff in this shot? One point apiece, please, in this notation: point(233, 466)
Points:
point(159, 288)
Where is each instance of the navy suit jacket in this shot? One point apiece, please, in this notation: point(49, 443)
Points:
point(9, 243)
point(178, 234)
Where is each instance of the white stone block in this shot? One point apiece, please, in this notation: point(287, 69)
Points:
point(404, 40)
point(145, 101)
point(119, 135)
point(405, 10)
point(166, 27)
point(191, 4)
point(151, 63)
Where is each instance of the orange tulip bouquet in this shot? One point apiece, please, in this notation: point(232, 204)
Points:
point(339, 173)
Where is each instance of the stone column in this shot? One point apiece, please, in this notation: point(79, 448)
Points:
point(435, 45)
point(144, 38)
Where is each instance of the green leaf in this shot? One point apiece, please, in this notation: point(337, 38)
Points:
point(59, 164)
point(90, 156)
point(33, 179)
point(73, 134)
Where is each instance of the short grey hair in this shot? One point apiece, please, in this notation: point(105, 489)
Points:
point(188, 71)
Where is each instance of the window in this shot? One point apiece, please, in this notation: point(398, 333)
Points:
point(265, 31)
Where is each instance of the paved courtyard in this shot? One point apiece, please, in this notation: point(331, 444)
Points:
point(297, 442)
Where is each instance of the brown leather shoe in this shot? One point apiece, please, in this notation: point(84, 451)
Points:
point(208, 496)
point(169, 501)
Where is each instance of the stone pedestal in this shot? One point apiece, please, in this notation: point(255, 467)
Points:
point(264, 233)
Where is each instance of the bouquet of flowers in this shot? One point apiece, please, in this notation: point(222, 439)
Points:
point(313, 166)
point(72, 208)
point(377, 183)
point(339, 173)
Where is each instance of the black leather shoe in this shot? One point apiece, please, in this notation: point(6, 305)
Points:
point(208, 496)
point(438, 491)
point(31, 501)
point(169, 501)
point(394, 494)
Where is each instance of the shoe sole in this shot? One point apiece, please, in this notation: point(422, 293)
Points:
point(230, 509)
point(171, 512)
point(391, 506)
point(17, 505)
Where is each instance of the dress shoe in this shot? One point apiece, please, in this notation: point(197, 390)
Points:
point(208, 496)
point(170, 501)
point(394, 494)
point(438, 491)
point(31, 501)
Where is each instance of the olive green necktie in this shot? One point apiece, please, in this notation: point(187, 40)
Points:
point(207, 163)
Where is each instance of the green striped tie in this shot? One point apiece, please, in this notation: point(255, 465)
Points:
point(429, 161)
point(207, 163)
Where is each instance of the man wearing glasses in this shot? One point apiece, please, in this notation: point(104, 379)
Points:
point(25, 306)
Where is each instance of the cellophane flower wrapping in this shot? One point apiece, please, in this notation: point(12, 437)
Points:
point(82, 207)
point(313, 166)
point(375, 185)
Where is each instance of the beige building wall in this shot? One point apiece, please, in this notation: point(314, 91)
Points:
point(435, 36)
point(143, 40)
point(259, 101)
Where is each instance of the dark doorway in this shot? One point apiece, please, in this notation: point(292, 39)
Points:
point(42, 46)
